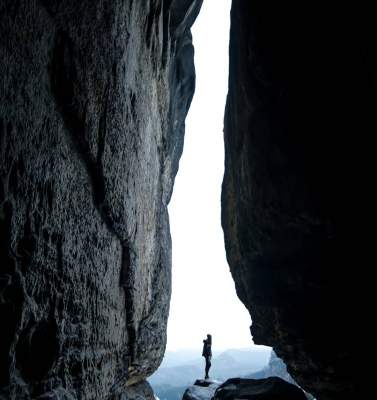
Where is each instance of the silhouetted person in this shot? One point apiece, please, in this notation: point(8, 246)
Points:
point(207, 353)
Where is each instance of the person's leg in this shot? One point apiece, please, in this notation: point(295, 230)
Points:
point(208, 365)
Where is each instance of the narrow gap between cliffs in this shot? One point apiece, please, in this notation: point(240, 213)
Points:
point(204, 299)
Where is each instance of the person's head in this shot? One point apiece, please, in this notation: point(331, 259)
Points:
point(209, 338)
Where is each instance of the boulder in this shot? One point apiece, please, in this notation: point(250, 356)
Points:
point(203, 389)
point(272, 388)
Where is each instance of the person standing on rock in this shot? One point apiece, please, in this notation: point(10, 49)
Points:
point(207, 353)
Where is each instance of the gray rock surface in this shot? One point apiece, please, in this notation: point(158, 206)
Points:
point(299, 121)
point(201, 390)
point(258, 389)
point(94, 95)
point(140, 391)
point(236, 388)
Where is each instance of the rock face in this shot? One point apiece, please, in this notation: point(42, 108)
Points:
point(201, 390)
point(139, 391)
point(299, 115)
point(94, 96)
point(267, 389)
point(258, 389)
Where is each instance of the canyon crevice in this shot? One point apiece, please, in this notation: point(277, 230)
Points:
point(93, 101)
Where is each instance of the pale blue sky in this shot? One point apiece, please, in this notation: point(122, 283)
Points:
point(204, 298)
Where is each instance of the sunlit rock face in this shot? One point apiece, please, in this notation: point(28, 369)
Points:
point(94, 94)
point(299, 119)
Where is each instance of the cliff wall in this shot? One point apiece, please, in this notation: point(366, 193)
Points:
point(94, 95)
point(299, 123)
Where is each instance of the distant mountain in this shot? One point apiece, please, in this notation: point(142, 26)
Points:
point(232, 363)
point(275, 367)
point(180, 369)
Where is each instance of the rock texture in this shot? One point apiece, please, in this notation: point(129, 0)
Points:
point(299, 118)
point(201, 390)
point(94, 95)
point(139, 391)
point(258, 389)
point(254, 389)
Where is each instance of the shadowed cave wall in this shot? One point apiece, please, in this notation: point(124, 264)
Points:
point(300, 116)
point(94, 95)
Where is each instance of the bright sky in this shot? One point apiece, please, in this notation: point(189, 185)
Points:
point(204, 299)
